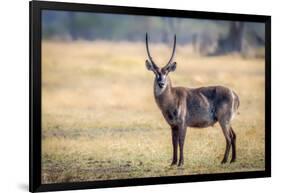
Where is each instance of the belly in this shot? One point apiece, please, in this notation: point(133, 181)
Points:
point(200, 120)
point(201, 123)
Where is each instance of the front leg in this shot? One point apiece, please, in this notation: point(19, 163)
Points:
point(182, 133)
point(175, 141)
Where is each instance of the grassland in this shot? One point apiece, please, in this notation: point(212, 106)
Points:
point(100, 120)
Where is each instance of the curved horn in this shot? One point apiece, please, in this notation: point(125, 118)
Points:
point(147, 50)
point(174, 49)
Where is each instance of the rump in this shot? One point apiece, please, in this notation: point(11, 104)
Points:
point(236, 101)
point(226, 103)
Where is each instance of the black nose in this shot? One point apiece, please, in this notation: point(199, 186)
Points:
point(160, 78)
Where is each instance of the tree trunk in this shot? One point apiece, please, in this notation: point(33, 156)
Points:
point(233, 41)
point(72, 26)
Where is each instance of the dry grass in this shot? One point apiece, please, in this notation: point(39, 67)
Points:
point(100, 120)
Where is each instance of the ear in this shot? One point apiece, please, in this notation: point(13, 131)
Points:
point(172, 67)
point(148, 65)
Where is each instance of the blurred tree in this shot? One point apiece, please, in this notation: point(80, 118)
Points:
point(72, 25)
point(233, 41)
point(206, 36)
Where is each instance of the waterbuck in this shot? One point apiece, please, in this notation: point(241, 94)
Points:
point(192, 107)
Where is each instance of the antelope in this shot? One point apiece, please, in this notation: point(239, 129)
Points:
point(192, 107)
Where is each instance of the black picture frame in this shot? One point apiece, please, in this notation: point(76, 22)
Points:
point(36, 8)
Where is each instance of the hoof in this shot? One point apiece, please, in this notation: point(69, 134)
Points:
point(223, 161)
point(173, 163)
point(180, 164)
point(232, 160)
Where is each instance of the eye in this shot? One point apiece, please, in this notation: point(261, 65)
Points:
point(158, 75)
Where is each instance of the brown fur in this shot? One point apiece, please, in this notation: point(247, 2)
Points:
point(193, 107)
point(198, 107)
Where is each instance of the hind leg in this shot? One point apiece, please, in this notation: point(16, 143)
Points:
point(233, 144)
point(226, 128)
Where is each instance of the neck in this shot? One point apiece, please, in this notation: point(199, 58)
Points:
point(158, 91)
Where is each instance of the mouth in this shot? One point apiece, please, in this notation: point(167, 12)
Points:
point(161, 84)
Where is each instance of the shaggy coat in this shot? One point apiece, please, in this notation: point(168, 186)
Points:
point(193, 107)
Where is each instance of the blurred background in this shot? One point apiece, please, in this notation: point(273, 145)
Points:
point(207, 37)
point(99, 117)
